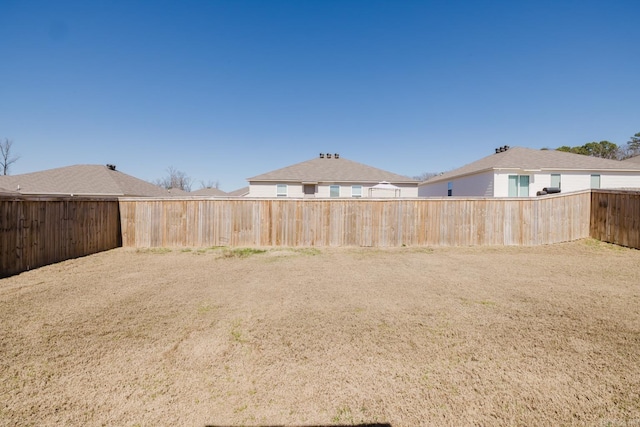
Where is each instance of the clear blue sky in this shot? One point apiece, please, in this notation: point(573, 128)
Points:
point(225, 90)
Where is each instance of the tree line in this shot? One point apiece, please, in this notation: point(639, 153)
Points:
point(607, 149)
point(602, 149)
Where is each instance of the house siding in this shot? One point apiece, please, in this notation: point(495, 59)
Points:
point(480, 184)
point(497, 184)
point(270, 189)
point(296, 190)
point(569, 181)
point(613, 180)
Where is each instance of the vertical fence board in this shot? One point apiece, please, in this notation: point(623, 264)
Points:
point(39, 231)
point(323, 222)
point(615, 217)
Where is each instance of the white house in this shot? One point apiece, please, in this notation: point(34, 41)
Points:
point(522, 172)
point(330, 175)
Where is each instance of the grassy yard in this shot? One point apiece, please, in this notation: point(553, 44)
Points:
point(544, 335)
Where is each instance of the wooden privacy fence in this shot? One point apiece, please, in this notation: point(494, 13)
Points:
point(40, 231)
point(615, 217)
point(360, 222)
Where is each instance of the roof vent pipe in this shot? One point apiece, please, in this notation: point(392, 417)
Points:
point(322, 155)
point(336, 156)
point(328, 155)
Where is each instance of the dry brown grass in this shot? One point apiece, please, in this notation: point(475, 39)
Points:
point(457, 336)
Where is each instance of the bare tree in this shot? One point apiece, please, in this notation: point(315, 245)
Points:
point(425, 176)
point(210, 184)
point(175, 179)
point(6, 160)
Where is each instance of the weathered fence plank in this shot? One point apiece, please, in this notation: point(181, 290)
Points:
point(384, 222)
point(615, 217)
point(40, 231)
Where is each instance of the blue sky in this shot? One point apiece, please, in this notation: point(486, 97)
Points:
point(225, 90)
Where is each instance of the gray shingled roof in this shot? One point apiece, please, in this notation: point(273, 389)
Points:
point(240, 192)
point(210, 192)
point(635, 159)
point(84, 180)
point(331, 170)
point(527, 158)
point(5, 192)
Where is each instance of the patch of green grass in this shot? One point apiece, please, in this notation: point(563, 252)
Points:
point(423, 250)
point(343, 414)
point(308, 251)
point(242, 252)
point(153, 250)
point(206, 308)
point(236, 332)
point(487, 302)
point(240, 409)
point(599, 244)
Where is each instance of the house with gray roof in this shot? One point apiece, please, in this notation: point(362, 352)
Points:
point(330, 175)
point(523, 172)
point(84, 180)
point(240, 192)
point(209, 192)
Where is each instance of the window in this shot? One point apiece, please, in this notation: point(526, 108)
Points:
point(282, 190)
point(449, 188)
point(595, 181)
point(356, 191)
point(555, 180)
point(518, 185)
point(334, 191)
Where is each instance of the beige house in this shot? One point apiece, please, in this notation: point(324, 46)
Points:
point(523, 172)
point(84, 180)
point(331, 176)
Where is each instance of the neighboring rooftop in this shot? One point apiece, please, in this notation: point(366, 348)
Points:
point(635, 159)
point(527, 158)
point(5, 192)
point(84, 180)
point(209, 192)
point(331, 168)
point(240, 192)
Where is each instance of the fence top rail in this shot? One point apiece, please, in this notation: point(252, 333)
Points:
point(617, 190)
point(343, 199)
point(29, 198)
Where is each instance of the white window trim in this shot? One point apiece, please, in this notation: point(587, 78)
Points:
point(330, 187)
point(356, 195)
point(286, 190)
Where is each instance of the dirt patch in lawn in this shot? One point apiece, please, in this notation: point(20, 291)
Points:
point(407, 336)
